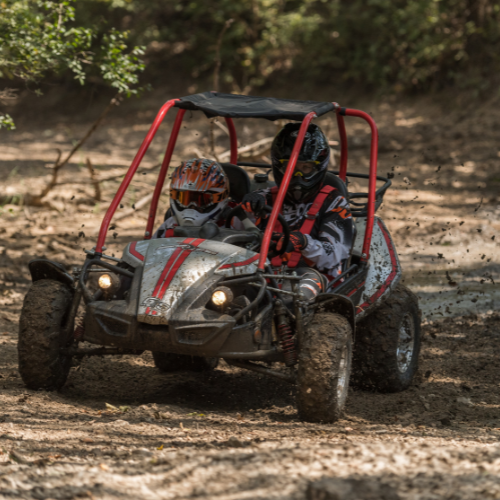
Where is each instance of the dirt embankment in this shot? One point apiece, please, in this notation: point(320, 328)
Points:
point(234, 434)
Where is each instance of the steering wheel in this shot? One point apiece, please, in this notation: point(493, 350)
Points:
point(241, 214)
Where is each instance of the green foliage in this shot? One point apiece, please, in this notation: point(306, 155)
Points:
point(415, 43)
point(39, 37)
point(398, 44)
point(7, 122)
point(118, 68)
point(265, 37)
point(35, 38)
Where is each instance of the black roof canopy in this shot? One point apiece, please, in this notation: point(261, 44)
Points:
point(247, 106)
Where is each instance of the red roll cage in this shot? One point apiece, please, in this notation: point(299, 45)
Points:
point(340, 112)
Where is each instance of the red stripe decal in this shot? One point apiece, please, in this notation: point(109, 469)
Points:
point(167, 267)
point(175, 268)
point(391, 276)
point(240, 264)
point(356, 289)
point(134, 252)
point(173, 271)
point(196, 242)
point(169, 264)
point(172, 266)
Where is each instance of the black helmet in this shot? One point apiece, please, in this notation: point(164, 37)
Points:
point(314, 149)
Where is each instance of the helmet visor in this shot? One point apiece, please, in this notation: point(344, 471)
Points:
point(196, 199)
point(305, 169)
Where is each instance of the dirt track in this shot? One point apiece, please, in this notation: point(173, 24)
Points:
point(235, 435)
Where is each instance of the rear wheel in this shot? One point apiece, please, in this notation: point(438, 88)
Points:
point(41, 363)
point(169, 362)
point(388, 344)
point(324, 368)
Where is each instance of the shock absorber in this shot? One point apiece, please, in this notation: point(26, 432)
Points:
point(285, 334)
point(79, 330)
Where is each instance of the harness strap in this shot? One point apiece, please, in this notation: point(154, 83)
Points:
point(308, 224)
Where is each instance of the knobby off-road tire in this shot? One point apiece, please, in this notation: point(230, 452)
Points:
point(41, 363)
point(169, 362)
point(324, 368)
point(388, 344)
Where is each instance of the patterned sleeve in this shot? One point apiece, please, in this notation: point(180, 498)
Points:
point(330, 241)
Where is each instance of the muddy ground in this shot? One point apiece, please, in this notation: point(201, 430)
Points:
point(119, 429)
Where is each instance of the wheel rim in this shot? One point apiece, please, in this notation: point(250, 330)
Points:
point(406, 343)
point(342, 380)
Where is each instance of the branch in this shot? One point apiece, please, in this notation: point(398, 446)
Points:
point(36, 200)
point(212, 139)
point(257, 148)
point(7, 95)
point(55, 172)
point(221, 126)
point(95, 182)
point(218, 61)
point(109, 178)
point(143, 201)
point(114, 102)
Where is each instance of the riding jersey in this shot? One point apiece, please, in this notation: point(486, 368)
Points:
point(330, 240)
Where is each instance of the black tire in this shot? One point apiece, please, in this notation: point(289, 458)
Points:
point(324, 368)
point(169, 362)
point(41, 363)
point(388, 344)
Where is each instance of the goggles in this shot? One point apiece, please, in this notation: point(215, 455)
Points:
point(304, 168)
point(196, 199)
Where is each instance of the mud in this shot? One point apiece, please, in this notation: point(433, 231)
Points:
point(120, 429)
point(383, 359)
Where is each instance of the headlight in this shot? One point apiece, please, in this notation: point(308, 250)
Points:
point(222, 297)
point(105, 281)
point(109, 284)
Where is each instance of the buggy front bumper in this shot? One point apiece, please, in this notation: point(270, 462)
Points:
point(114, 323)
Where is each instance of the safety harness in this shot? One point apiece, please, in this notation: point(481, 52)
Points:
point(307, 225)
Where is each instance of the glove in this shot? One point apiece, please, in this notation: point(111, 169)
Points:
point(297, 242)
point(253, 202)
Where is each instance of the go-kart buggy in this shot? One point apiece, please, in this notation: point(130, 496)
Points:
point(209, 293)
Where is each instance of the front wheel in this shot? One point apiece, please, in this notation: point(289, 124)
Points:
point(324, 368)
point(388, 344)
point(42, 365)
point(169, 362)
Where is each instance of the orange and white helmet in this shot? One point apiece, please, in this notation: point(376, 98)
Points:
point(199, 191)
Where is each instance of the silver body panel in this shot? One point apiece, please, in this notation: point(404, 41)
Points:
point(384, 271)
point(173, 265)
point(135, 253)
